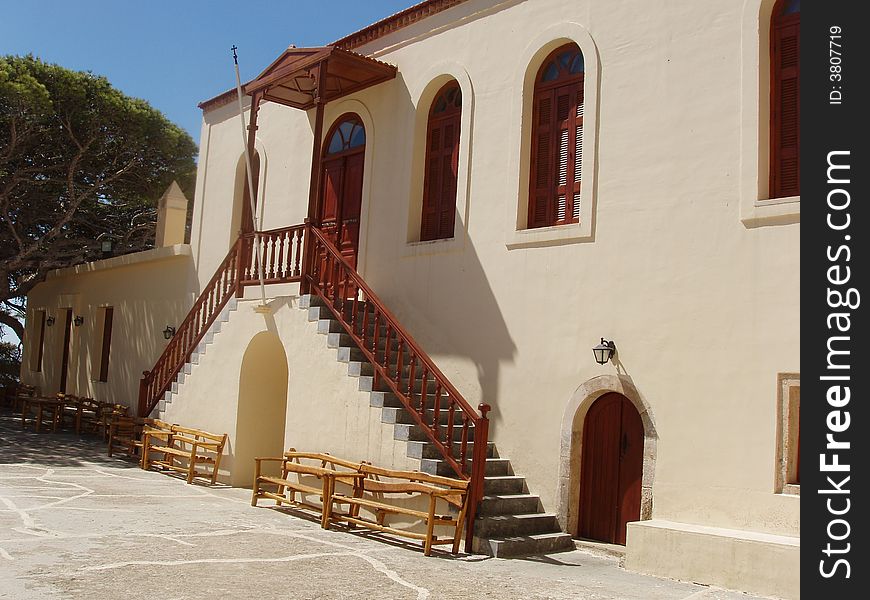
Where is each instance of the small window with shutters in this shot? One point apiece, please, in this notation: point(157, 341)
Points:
point(785, 99)
point(788, 442)
point(39, 338)
point(105, 316)
point(557, 140)
point(442, 164)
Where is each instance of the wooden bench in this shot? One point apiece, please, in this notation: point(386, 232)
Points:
point(377, 495)
point(328, 469)
point(191, 447)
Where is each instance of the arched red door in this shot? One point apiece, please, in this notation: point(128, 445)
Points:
point(612, 468)
point(341, 191)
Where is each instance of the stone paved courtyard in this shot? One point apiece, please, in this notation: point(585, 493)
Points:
point(77, 524)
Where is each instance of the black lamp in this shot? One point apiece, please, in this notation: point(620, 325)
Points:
point(106, 248)
point(78, 321)
point(604, 351)
point(168, 332)
point(49, 321)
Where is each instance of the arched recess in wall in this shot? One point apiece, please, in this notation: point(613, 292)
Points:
point(241, 201)
point(436, 78)
point(571, 445)
point(519, 230)
point(262, 405)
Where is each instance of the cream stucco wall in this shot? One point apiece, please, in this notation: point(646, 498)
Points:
point(325, 410)
point(679, 257)
point(147, 290)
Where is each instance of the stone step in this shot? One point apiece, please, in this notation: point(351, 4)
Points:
point(404, 432)
point(341, 339)
point(506, 484)
point(421, 450)
point(401, 415)
point(523, 545)
point(506, 504)
point(366, 384)
point(380, 398)
point(494, 466)
point(504, 526)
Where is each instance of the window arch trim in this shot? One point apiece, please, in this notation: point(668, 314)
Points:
point(441, 165)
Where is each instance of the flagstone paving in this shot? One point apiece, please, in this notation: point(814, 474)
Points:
point(77, 524)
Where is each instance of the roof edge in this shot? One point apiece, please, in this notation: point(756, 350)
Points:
point(367, 34)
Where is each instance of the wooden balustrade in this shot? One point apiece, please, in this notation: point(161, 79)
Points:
point(403, 367)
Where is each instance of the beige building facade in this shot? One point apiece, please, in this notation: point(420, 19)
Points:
point(677, 252)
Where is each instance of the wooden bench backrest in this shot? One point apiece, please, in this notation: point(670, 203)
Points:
point(202, 436)
point(389, 481)
point(414, 476)
point(324, 457)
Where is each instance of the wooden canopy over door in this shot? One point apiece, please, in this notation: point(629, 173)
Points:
point(612, 468)
point(306, 78)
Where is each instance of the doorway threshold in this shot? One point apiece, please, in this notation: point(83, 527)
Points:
point(600, 548)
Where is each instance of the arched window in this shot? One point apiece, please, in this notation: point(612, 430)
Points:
point(348, 135)
point(557, 139)
point(442, 164)
point(785, 99)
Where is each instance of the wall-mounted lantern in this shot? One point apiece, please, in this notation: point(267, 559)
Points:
point(604, 351)
point(78, 321)
point(168, 332)
point(49, 321)
point(106, 248)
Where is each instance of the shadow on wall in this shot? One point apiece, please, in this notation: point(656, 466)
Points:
point(441, 293)
point(262, 406)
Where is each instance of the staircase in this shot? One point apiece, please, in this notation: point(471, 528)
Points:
point(441, 429)
point(510, 521)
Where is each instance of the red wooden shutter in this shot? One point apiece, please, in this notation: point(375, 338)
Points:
point(785, 106)
point(540, 212)
point(107, 341)
point(557, 140)
point(442, 165)
point(41, 347)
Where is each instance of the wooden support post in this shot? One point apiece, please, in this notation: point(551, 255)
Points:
point(314, 182)
point(478, 471)
point(143, 399)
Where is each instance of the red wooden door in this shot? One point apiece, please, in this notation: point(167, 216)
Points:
point(341, 191)
point(64, 360)
point(610, 478)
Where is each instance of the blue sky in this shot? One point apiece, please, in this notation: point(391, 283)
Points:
point(175, 53)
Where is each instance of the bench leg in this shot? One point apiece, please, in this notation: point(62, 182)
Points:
point(328, 488)
point(430, 527)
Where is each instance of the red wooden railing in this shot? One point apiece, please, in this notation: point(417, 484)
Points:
point(403, 366)
point(281, 252)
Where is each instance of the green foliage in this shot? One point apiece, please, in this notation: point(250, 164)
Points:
point(10, 363)
point(78, 160)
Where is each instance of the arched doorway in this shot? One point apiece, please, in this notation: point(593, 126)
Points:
point(612, 469)
point(341, 191)
point(262, 405)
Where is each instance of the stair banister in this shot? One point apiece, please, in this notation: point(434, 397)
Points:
point(332, 278)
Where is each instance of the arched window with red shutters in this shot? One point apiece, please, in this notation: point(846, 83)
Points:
point(557, 139)
point(785, 106)
point(442, 164)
